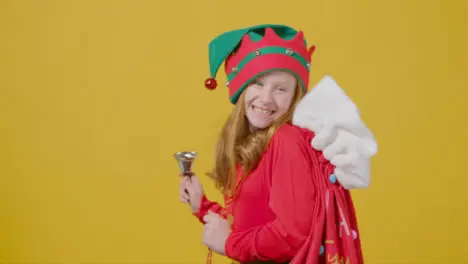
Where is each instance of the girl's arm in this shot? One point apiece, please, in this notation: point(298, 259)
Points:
point(293, 195)
point(205, 206)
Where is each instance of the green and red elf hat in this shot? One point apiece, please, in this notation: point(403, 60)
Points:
point(252, 51)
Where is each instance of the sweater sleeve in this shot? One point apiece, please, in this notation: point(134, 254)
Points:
point(205, 206)
point(292, 197)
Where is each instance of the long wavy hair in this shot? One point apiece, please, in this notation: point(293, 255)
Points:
point(239, 146)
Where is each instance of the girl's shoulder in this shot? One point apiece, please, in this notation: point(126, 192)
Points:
point(291, 134)
point(293, 140)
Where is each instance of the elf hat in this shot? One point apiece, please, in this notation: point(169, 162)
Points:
point(250, 52)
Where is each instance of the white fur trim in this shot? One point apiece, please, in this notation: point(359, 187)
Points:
point(339, 132)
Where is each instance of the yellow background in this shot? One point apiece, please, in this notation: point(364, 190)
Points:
point(92, 108)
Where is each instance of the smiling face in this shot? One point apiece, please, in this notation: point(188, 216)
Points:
point(269, 97)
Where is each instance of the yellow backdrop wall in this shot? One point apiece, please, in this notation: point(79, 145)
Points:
point(97, 95)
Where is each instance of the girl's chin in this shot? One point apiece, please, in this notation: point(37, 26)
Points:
point(260, 124)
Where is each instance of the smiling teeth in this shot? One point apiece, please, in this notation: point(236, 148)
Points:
point(262, 110)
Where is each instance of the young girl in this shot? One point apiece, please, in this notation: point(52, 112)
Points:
point(284, 200)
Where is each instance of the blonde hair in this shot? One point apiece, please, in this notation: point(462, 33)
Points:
point(238, 146)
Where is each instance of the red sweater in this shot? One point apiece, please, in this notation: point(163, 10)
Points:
point(282, 207)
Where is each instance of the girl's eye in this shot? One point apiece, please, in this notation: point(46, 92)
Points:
point(257, 84)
